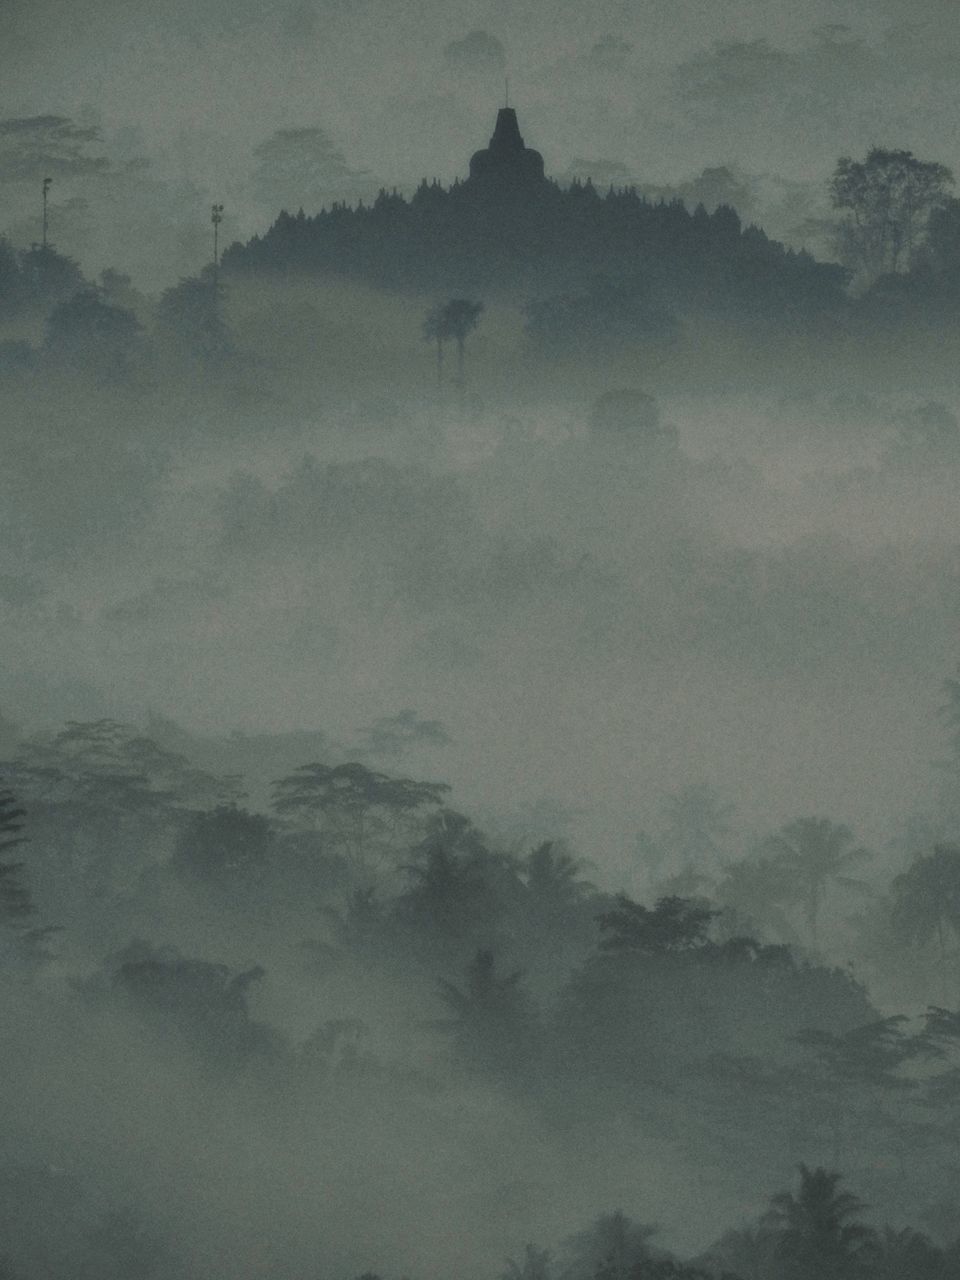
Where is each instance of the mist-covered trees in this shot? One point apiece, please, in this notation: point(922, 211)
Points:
point(357, 807)
point(887, 201)
point(92, 334)
point(569, 255)
point(190, 323)
point(14, 896)
point(926, 905)
point(302, 168)
point(818, 1228)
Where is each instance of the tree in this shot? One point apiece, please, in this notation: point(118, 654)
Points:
point(33, 147)
point(943, 236)
point(493, 1019)
point(459, 889)
point(434, 329)
point(674, 925)
point(88, 332)
point(223, 844)
point(815, 853)
point(302, 167)
point(612, 1246)
point(756, 891)
point(554, 881)
point(458, 318)
point(818, 1233)
point(14, 898)
point(887, 201)
point(926, 901)
point(190, 321)
point(906, 1255)
point(696, 827)
point(352, 803)
point(535, 1265)
point(865, 1060)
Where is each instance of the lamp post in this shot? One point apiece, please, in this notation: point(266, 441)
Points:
point(46, 188)
point(216, 217)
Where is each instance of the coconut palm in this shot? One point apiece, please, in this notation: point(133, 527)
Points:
point(815, 853)
point(818, 1233)
point(460, 317)
point(926, 901)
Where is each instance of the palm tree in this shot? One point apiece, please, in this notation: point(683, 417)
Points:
point(434, 329)
point(535, 1265)
point(815, 853)
point(818, 1235)
point(459, 318)
point(758, 889)
point(553, 879)
point(613, 1246)
point(493, 1020)
point(897, 1254)
point(927, 900)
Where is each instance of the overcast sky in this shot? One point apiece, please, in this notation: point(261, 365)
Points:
point(662, 86)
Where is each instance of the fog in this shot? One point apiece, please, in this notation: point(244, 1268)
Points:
point(479, 716)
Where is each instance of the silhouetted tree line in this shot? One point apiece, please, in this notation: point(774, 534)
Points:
point(554, 244)
point(106, 330)
point(713, 1009)
point(817, 1230)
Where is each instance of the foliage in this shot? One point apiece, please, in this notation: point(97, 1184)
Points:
point(223, 843)
point(818, 1229)
point(356, 806)
point(674, 925)
point(33, 147)
point(888, 199)
point(88, 332)
point(493, 1020)
point(14, 897)
point(813, 853)
point(190, 322)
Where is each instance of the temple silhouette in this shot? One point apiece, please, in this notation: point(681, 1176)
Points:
point(507, 230)
point(506, 165)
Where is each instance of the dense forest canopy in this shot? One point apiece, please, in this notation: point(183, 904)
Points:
point(479, 759)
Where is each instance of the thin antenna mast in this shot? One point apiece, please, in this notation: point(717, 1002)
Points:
point(216, 217)
point(46, 188)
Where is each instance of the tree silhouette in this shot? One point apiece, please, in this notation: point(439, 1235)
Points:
point(353, 804)
point(815, 853)
point(89, 332)
point(926, 901)
point(553, 879)
point(905, 1255)
point(887, 200)
point(757, 890)
point(535, 1265)
point(674, 925)
point(223, 843)
point(435, 329)
point(190, 322)
point(493, 1019)
point(612, 1246)
point(819, 1236)
point(860, 1064)
point(459, 318)
point(14, 898)
point(458, 891)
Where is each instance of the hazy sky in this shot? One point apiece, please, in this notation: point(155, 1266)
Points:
point(663, 86)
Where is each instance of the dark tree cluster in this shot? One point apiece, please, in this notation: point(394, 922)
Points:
point(550, 246)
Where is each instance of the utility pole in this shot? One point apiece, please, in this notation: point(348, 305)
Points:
point(46, 188)
point(216, 217)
